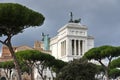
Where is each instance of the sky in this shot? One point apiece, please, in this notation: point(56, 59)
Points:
point(102, 17)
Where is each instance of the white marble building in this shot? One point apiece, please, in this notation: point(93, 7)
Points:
point(71, 42)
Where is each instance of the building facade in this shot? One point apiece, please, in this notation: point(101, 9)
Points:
point(71, 42)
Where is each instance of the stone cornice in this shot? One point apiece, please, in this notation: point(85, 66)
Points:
point(73, 25)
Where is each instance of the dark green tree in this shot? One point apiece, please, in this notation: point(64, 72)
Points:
point(78, 70)
point(55, 65)
point(14, 18)
point(100, 71)
point(103, 53)
point(7, 67)
point(115, 63)
point(35, 59)
point(44, 61)
point(58, 65)
point(28, 58)
point(114, 73)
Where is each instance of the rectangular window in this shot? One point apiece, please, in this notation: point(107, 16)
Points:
point(81, 47)
point(77, 47)
point(72, 47)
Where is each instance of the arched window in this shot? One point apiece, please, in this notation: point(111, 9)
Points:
point(2, 78)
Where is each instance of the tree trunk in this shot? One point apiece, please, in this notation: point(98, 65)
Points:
point(40, 71)
point(15, 60)
point(105, 69)
point(106, 74)
point(51, 73)
point(41, 74)
point(6, 73)
point(32, 74)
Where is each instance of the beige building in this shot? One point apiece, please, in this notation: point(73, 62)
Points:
point(6, 55)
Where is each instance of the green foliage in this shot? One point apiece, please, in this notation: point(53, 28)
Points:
point(100, 69)
point(24, 67)
point(7, 65)
point(93, 53)
point(34, 56)
point(58, 65)
point(105, 52)
point(26, 59)
point(35, 59)
point(48, 60)
point(15, 17)
point(78, 70)
point(102, 52)
point(114, 73)
point(30, 55)
point(115, 63)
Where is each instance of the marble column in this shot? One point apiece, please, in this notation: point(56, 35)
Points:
point(70, 47)
point(83, 49)
point(64, 47)
point(61, 48)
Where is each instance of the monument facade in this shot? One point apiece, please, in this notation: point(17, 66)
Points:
point(71, 42)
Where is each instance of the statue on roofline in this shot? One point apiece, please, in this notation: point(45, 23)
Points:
point(74, 21)
point(71, 17)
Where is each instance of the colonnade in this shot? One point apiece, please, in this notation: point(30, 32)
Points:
point(77, 47)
